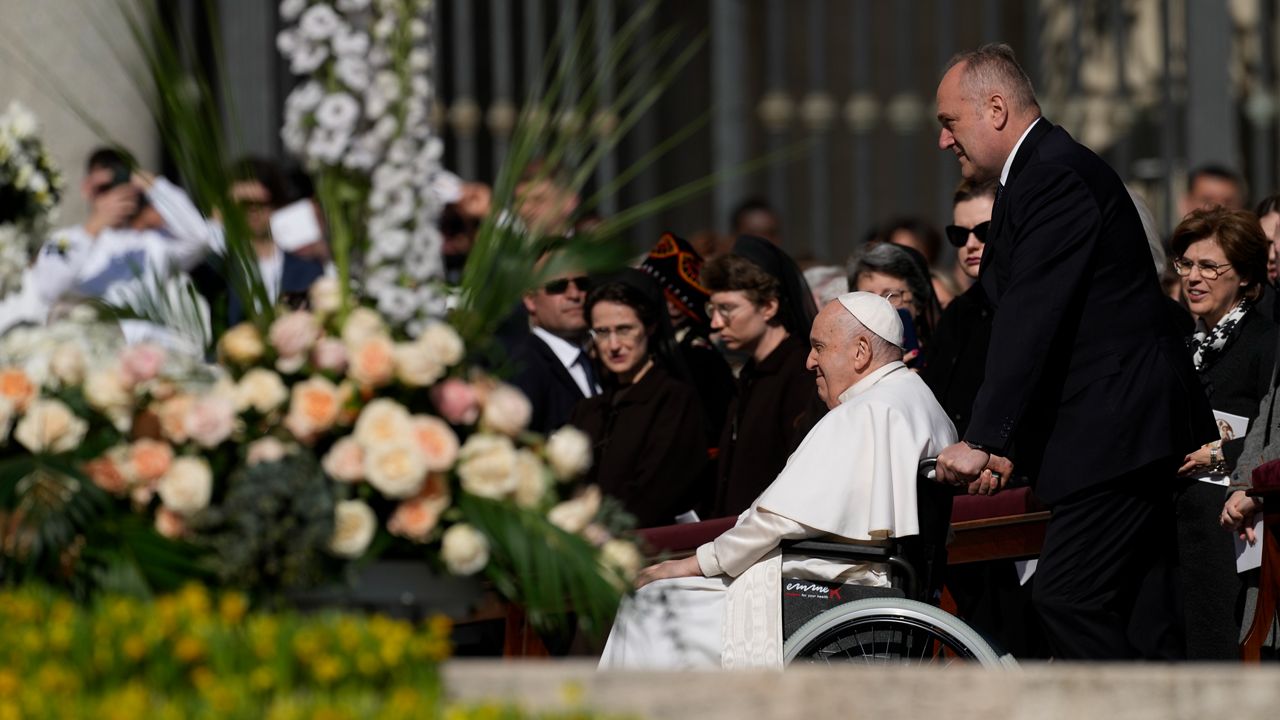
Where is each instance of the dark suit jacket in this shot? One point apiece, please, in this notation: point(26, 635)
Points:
point(296, 277)
point(956, 357)
point(1086, 369)
point(649, 446)
point(547, 383)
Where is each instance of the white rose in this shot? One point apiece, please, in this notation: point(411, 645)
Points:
point(569, 452)
point(187, 487)
point(345, 461)
point(623, 557)
point(415, 366)
point(362, 324)
point(66, 364)
point(506, 410)
point(49, 426)
point(210, 420)
point(572, 516)
point(325, 296)
point(383, 422)
point(105, 392)
point(397, 470)
point(442, 343)
point(262, 390)
point(531, 479)
point(353, 526)
point(487, 465)
point(464, 549)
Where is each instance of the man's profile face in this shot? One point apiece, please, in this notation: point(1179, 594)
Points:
point(832, 353)
point(557, 306)
point(966, 130)
point(1209, 191)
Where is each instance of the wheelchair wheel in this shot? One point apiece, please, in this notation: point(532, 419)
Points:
point(889, 631)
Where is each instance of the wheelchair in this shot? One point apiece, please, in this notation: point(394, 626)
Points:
point(830, 622)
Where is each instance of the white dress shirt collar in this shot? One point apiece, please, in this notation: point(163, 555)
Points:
point(1008, 162)
point(567, 353)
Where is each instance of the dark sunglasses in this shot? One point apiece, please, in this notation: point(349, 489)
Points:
point(558, 287)
point(958, 235)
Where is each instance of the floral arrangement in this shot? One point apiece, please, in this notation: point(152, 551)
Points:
point(30, 186)
point(297, 452)
point(358, 120)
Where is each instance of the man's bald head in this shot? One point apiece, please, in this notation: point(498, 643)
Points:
point(843, 351)
point(994, 70)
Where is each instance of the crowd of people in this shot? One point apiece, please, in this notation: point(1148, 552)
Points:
point(702, 373)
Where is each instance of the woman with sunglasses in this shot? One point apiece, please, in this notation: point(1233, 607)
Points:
point(1221, 257)
point(761, 307)
point(646, 427)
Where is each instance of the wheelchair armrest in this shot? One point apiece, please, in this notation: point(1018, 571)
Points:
point(839, 551)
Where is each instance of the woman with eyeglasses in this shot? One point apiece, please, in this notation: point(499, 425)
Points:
point(1221, 257)
point(648, 437)
point(761, 307)
point(900, 275)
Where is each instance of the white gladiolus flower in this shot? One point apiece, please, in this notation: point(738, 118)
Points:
point(352, 5)
point(307, 57)
point(353, 72)
point(351, 44)
point(291, 9)
point(306, 97)
point(328, 145)
point(338, 111)
point(319, 22)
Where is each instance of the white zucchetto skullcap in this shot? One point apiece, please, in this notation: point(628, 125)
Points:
point(875, 313)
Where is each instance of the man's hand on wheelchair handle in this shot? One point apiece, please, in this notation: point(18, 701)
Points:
point(982, 472)
point(684, 567)
point(993, 478)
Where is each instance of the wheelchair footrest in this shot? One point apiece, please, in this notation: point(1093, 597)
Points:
point(803, 600)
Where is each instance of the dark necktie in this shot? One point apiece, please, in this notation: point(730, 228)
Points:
point(584, 361)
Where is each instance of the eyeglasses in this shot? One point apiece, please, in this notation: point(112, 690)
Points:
point(897, 298)
point(726, 312)
point(559, 287)
point(1208, 270)
point(958, 235)
point(624, 333)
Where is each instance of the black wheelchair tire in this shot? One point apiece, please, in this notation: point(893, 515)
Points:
point(893, 614)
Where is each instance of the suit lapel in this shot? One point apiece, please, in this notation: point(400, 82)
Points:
point(1001, 208)
point(558, 369)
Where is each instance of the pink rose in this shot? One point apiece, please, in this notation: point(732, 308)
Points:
point(210, 420)
point(170, 524)
point(329, 355)
point(372, 362)
point(265, 450)
point(345, 461)
point(292, 336)
point(436, 440)
point(456, 401)
point(140, 363)
point(416, 517)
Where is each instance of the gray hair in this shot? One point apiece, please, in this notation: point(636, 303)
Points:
point(885, 257)
point(993, 69)
point(882, 351)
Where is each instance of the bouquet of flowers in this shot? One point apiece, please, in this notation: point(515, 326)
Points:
point(30, 186)
point(324, 442)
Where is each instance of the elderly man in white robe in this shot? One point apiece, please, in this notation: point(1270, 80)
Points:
point(853, 479)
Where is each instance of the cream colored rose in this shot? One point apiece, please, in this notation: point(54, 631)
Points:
point(170, 524)
point(329, 355)
point(173, 417)
point(381, 422)
point(261, 390)
point(372, 362)
point(572, 516)
point(292, 335)
point(242, 344)
point(314, 407)
point(415, 367)
point(362, 323)
point(397, 470)
point(464, 549)
point(416, 517)
point(506, 410)
point(442, 343)
point(568, 452)
point(345, 461)
point(436, 440)
point(187, 487)
point(353, 527)
point(622, 557)
point(49, 426)
point(531, 479)
point(487, 466)
point(105, 391)
point(210, 420)
point(325, 296)
point(67, 364)
point(266, 450)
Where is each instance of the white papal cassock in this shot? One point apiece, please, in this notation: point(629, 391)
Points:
point(853, 477)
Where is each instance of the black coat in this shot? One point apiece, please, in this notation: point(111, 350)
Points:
point(712, 378)
point(649, 446)
point(957, 355)
point(1088, 373)
point(545, 381)
point(776, 406)
point(1235, 383)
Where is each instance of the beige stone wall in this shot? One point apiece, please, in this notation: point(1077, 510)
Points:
point(45, 44)
point(1056, 691)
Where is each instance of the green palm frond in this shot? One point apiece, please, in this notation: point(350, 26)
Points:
point(171, 302)
point(550, 571)
point(46, 505)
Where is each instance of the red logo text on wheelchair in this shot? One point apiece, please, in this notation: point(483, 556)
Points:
point(812, 590)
